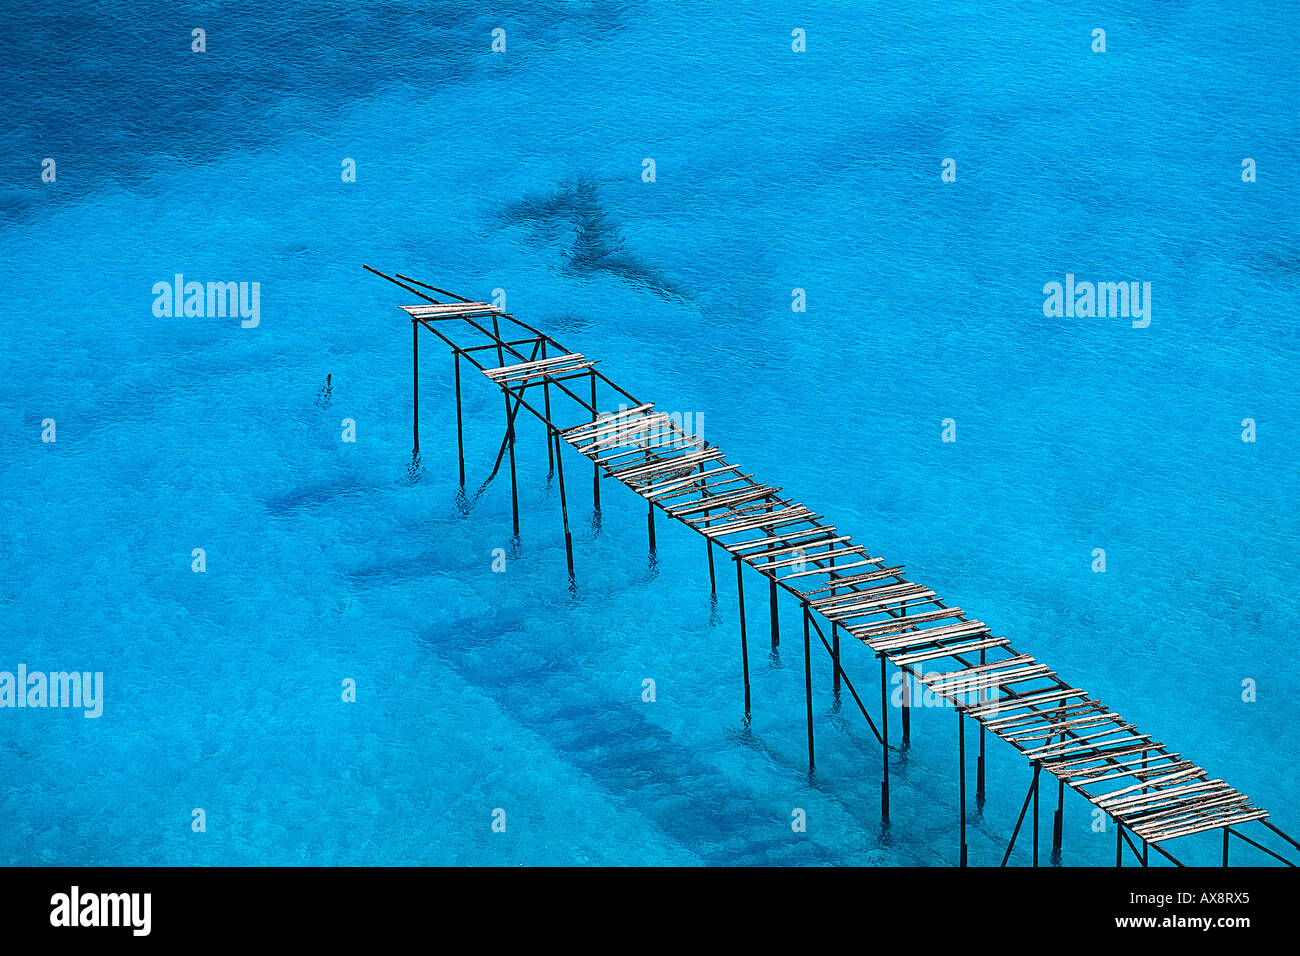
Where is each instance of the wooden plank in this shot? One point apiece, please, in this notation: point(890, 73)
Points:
point(630, 474)
point(1019, 660)
point(899, 625)
point(736, 496)
point(802, 546)
point(1210, 825)
point(789, 537)
point(964, 629)
point(450, 310)
point(1048, 731)
point(853, 580)
point(606, 419)
point(1131, 802)
point(1056, 766)
point(1101, 799)
point(804, 574)
point(1036, 717)
point(1019, 701)
point(772, 520)
point(951, 650)
point(807, 558)
point(1086, 742)
point(981, 682)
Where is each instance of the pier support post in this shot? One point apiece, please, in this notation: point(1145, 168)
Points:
point(415, 384)
point(564, 505)
point(1059, 820)
point(1226, 831)
point(546, 398)
point(835, 653)
point(650, 523)
point(744, 644)
point(776, 622)
point(979, 764)
point(835, 648)
point(708, 545)
point(460, 427)
point(595, 468)
point(807, 683)
point(514, 485)
point(1037, 767)
point(907, 702)
point(961, 775)
point(884, 750)
point(1119, 844)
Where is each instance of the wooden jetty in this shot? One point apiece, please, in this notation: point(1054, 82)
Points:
point(1149, 790)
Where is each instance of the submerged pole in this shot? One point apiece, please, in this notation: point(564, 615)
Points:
point(595, 468)
point(708, 545)
point(979, 764)
point(776, 624)
point(1058, 822)
point(514, 484)
point(546, 398)
point(1037, 767)
point(415, 384)
point(907, 701)
point(835, 647)
point(744, 644)
point(961, 759)
point(807, 682)
point(564, 506)
point(884, 750)
point(460, 426)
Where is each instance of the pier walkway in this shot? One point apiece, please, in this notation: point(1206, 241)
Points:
point(1154, 794)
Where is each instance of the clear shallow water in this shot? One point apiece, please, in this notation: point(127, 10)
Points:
point(522, 171)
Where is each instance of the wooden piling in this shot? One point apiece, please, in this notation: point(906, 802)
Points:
point(744, 644)
point(776, 623)
point(460, 427)
point(564, 506)
point(415, 384)
point(807, 680)
point(961, 773)
point(884, 748)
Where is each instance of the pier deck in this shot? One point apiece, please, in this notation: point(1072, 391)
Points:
point(1143, 785)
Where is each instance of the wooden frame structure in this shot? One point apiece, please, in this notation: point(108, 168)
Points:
point(1145, 787)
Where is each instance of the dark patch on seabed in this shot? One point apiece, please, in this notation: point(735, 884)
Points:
point(613, 744)
point(574, 214)
point(319, 493)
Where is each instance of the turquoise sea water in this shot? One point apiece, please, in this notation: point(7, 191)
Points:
point(522, 171)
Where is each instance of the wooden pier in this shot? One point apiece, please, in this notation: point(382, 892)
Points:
point(1153, 794)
